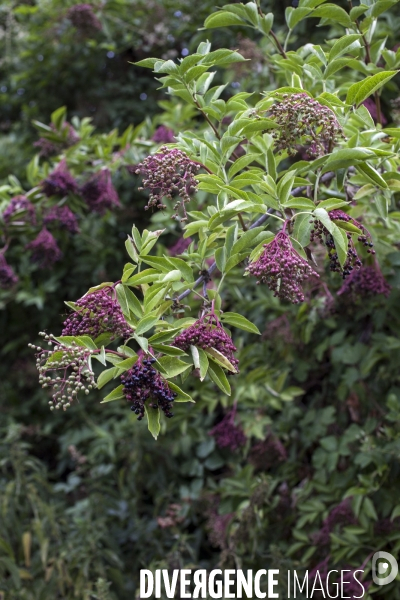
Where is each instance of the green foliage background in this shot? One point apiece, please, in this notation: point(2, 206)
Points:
point(82, 493)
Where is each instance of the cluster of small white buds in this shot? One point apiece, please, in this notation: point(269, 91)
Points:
point(64, 369)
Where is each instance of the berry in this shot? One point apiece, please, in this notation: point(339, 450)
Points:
point(227, 434)
point(304, 121)
point(282, 269)
point(60, 182)
point(166, 174)
point(365, 282)
point(63, 217)
point(44, 249)
point(99, 192)
point(96, 313)
point(21, 208)
point(141, 383)
point(7, 276)
point(83, 18)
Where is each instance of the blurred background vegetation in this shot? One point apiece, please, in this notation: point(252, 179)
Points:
point(87, 498)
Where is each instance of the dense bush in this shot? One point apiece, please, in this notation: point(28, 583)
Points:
point(289, 456)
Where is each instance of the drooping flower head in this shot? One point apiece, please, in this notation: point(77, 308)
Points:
point(365, 282)
point(64, 369)
point(99, 192)
point(304, 121)
point(163, 135)
point(227, 434)
point(207, 332)
point(44, 249)
point(83, 18)
point(166, 174)
point(50, 147)
point(62, 216)
point(352, 261)
point(96, 313)
point(143, 382)
point(7, 276)
point(21, 209)
point(60, 182)
point(282, 269)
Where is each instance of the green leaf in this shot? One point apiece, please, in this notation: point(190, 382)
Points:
point(146, 276)
point(168, 350)
point(240, 322)
point(220, 359)
point(147, 63)
point(223, 19)
point(145, 324)
point(333, 13)
point(106, 376)
point(245, 240)
point(341, 244)
point(220, 258)
point(173, 366)
point(299, 203)
point(358, 92)
point(183, 267)
point(219, 378)
point(142, 341)
point(200, 361)
point(134, 305)
point(81, 340)
point(122, 300)
point(372, 174)
point(344, 44)
point(116, 394)
point(153, 420)
point(332, 204)
point(347, 226)
point(182, 396)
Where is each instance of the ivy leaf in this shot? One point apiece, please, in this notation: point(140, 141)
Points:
point(116, 394)
point(219, 378)
point(240, 322)
point(153, 420)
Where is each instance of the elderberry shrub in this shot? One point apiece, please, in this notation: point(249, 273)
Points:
point(207, 332)
point(320, 232)
point(96, 313)
point(282, 269)
point(60, 182)
point(166, 174)
point(64, 369)
point(141, 383)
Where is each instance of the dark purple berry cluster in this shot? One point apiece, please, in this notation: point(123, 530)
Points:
point(60, 182)
point(143, 382)
point(205, 333)
point(365, 282)
point(163, 135)
point(227, 434)
point(44, 249)
point(99, 192)
point(305, 122)
point(20, 208)
point(64, 369)
point(83, 18)
point(319, 232)
point(7, 276)
point(96, 313)
point(166, 174)
point(62, 216)
point(282, 269)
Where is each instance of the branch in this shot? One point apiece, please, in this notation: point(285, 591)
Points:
point(296, 192)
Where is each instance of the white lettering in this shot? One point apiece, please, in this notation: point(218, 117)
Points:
point(215, 588)
point(146, 577)
point(272, 583)
point(244, 585)
point(200, 581)
point(170, 589)
point(185, 582)
point(257, 591)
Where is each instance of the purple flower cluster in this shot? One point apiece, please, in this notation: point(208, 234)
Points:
point(60, 182)
point(282, 269)
point(141, 383)
point(353, 261)
point(227, 434)
point(163, 135)
point(20, 204)
point(342, 514)
point(48, 147)
point(96, 313)
point(99, 192)
point(267, 453)
point(205, 333)
point(44, 249)
point(63, 217)
point(305, 122)
point(65, 369)
point(83, 18)
point(166, 174)
point(7, 276)
point(365, 282)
